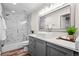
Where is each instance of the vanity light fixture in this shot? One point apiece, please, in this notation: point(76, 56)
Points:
point(50, 7)
point(13, 11)
point(23, 22)
point(14, 3)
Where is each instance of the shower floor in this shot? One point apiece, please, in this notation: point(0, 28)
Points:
point(16, 52)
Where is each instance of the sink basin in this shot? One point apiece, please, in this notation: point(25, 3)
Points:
point(44, 35)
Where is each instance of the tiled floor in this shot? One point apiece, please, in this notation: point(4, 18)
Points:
point(16, 52)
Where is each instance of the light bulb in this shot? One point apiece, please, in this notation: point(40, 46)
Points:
point(14, 3)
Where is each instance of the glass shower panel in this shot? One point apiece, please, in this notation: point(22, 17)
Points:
point(15, 29)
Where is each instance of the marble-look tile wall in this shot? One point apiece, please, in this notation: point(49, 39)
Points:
point(15, 30)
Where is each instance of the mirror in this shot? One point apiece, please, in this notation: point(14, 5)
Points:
point(65, 21)
point(58, 19)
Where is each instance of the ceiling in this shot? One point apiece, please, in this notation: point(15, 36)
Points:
point(23, 7)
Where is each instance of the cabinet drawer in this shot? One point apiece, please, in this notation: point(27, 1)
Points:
point(61, 49)
point(40, 41)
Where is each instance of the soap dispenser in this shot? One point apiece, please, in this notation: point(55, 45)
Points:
point(77, 43)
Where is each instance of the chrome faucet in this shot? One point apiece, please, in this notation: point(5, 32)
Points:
point(48, 29)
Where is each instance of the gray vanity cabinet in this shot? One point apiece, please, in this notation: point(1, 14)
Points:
point(54, 50)
point(37, 47)
point(31, 45)
point(40, 48)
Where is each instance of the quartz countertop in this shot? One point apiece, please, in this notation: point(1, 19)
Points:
point(52, 39)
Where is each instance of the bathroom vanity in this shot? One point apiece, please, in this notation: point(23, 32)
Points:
point(50, 46)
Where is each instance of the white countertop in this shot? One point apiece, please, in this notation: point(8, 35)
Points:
point(52, 39)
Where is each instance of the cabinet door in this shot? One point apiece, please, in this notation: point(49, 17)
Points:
point(54, 50)
point(40, 48)
point(32, 46)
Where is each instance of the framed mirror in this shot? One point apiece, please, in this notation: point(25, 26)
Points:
point(58, 19)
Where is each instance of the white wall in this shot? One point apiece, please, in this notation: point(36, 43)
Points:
point(77, 15)
point(35, 21)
